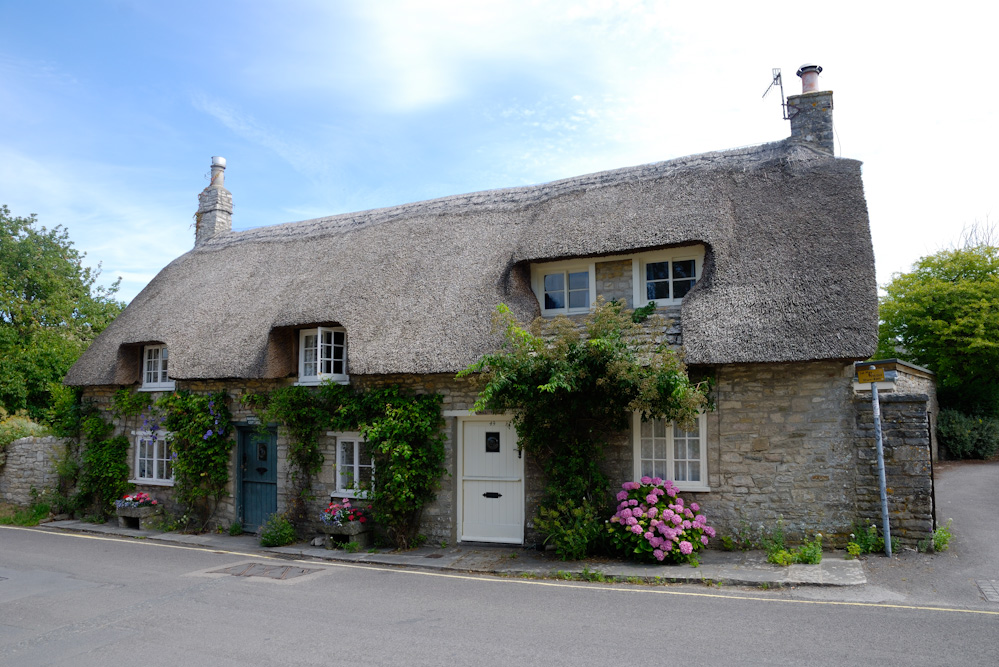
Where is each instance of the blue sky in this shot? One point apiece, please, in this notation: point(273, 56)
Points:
point(110, 111)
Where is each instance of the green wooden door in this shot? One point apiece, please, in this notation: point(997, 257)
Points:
point(258, 477)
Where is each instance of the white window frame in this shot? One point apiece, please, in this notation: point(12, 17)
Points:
point(319, 376)
point(638, 273)
point(353, 438)
point(155, 376)
point(162, 453)
point(539, 271)
point(683, 485)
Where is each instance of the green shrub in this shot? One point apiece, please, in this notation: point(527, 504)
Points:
point(104, 473)
point(810, 553)
point(942, 537)
point(865, 539)
point(968, 437)
point(277, 531)
point(781, 557)
point(235, 528)
point(570, 527)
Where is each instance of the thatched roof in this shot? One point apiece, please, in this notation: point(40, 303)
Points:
point(788, 276)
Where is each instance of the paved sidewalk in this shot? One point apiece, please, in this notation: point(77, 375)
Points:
point(747, 568)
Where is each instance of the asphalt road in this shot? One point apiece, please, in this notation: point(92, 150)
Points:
point(68, 599)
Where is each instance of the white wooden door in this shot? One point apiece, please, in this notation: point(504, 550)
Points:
point(492, 482)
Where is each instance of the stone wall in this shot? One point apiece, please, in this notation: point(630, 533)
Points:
point(781, 444)
point(790, 441)
point(908, 469)
point(438, 516)
point(30, 465)
point(786, 440)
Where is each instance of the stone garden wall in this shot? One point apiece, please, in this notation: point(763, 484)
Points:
point(906, 444)
point(30, 465)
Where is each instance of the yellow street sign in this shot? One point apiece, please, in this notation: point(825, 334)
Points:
point(866, 375)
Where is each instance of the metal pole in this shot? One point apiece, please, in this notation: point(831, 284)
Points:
point(885, 526)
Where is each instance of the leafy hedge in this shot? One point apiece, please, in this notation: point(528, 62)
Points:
point(968, 437)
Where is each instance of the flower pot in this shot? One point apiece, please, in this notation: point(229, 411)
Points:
point(350, 531)
point(137, 518)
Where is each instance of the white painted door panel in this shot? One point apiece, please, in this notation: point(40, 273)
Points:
point(492, 483)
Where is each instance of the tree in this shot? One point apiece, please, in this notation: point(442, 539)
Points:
point(944, 314)
point(569, 387)
point(50, 310)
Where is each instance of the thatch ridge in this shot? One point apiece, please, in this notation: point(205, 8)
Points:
point(789, 273)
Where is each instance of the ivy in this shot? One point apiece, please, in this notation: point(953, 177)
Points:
point(127, 403)
point(569, 386)
point(407, 446)
point(104, 470)
point(301, 411)
point(200, 427)
point(403, 432)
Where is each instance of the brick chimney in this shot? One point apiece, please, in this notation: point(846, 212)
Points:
point(214, 214)
point(811, 112)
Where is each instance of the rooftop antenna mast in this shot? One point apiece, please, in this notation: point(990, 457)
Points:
point(777, 81)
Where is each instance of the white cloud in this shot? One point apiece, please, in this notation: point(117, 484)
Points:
point(131, 232)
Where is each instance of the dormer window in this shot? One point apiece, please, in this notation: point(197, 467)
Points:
point(564, 288)
point(155, 377)
point(665, 276)
point(322, 355)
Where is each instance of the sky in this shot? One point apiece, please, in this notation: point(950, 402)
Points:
point(110, 110)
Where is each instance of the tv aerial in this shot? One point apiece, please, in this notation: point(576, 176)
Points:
point(777, 81)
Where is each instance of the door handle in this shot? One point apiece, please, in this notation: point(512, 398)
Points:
point(492, 494)
point(261, 470)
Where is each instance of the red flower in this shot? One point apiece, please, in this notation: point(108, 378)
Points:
point(363, 519)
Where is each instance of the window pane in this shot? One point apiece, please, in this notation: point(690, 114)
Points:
point(679, 449)
point(364, 457)
point(364, 477)
point(683, 269)
point(338, 337)
point(694, 470)
point(660, 428)
point(646, 448)
point(693, 449)
point(657, 290)
point(347, 452)
point(554, 300)
point(680, 471)
point(338, 367)
point(646, 429)
point(579, 280)
point(579, 299)
point(681, 287)
point(648, 470)
point(554, 282)
point(657, 271)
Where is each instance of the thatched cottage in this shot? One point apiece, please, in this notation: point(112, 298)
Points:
point(762, 256)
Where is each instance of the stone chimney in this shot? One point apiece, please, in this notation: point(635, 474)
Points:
point(811, 112)
point(214, 214)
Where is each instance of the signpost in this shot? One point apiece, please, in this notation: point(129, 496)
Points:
point(875, 375)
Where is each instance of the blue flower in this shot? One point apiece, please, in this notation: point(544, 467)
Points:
point(207, 435)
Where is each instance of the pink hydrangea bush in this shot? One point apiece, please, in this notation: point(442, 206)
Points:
point(652, 523)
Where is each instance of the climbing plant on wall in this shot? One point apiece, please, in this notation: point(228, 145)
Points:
point(569, 384)
point(200, 428)
point(402, 432)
